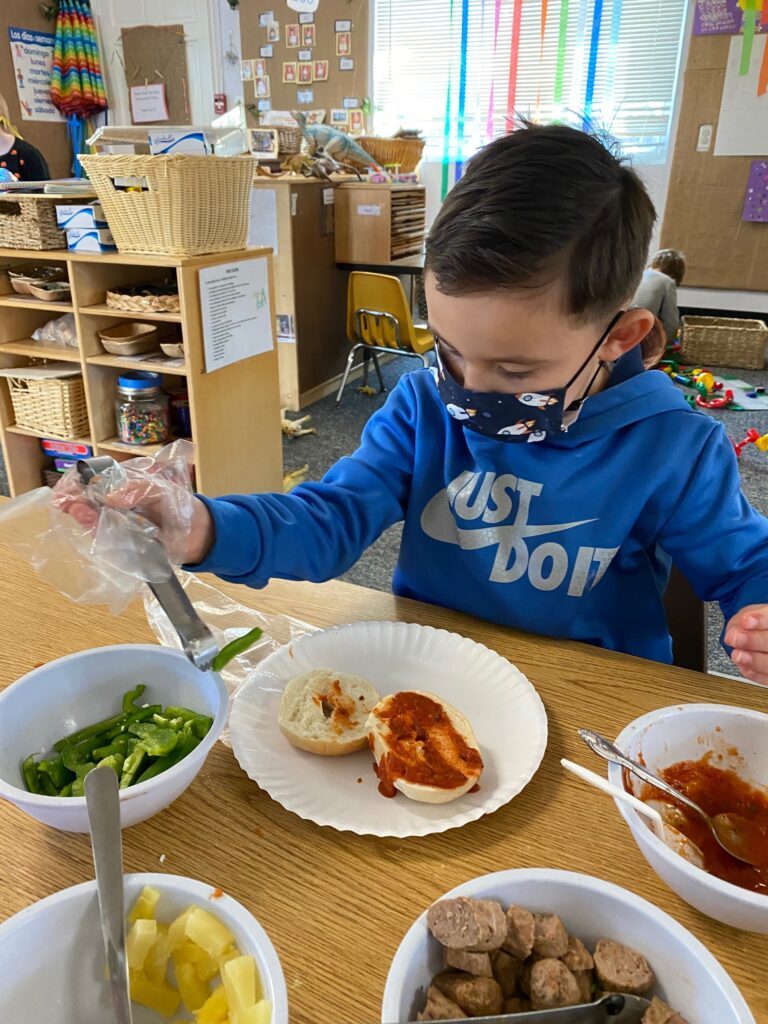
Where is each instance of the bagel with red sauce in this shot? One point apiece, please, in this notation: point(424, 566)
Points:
point(325, 712)
point(424, 747)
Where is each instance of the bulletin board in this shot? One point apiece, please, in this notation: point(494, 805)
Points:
point(706, 201)
point(155, 54)
point(340, 85)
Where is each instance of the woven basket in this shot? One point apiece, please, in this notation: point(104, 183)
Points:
point(53, 406)
point(404, 152)
point(27, 223)
point(144, 303)
point(724, 341)
point(290, 140)
point(192, 205)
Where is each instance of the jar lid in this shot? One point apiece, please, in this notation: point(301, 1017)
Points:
point(140, 380)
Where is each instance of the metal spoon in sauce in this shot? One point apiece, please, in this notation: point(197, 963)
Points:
point(734, 833)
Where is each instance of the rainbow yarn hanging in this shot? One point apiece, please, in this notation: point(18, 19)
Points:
point(77, 85)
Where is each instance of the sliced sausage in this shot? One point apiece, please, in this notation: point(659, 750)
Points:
point(659, 1013)
point(584, 980)
point(520, 928)
point(478, 997)
point(506, 970)
point(439, 1007)
point(478, 964)
point(516, 1005)
point(550, 939)
point(577, 957)
point(552, 985)
point(621, 969)
point(463, 923)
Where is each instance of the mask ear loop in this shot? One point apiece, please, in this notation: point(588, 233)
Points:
point(578, 402)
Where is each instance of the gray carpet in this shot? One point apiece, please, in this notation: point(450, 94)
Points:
point(338, 433)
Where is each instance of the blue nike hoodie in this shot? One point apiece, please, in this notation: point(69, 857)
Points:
point(571, 537)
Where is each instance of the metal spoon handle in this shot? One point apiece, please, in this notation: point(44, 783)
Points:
point(600, 745)
point(103, 803)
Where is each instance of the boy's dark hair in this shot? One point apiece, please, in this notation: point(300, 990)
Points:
point(545, 202)
point(670, 262)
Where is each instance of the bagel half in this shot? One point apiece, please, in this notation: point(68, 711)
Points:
point(424, 747)
point(325, 712)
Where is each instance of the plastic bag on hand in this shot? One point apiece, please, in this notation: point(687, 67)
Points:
point(61, 331)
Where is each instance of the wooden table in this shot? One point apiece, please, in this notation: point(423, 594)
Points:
point(336, 905)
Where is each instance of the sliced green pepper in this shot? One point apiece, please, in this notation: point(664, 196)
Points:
point(67, 791)
point(132, 764)
point(157, 741)
point(126, 721)
point(129, 700)
point(114, 761)
point(162, 764)
point(120, 745)
point(192, 720)
point(47, 785)
point(238, 646)
point(54, 768)
point(30, 773)
point(87, 732)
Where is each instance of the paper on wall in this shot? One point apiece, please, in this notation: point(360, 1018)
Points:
point(32, 54)
point(742, 128)
point(262, 227)
point(148, 103)
point(303, 5)
point(237, 319)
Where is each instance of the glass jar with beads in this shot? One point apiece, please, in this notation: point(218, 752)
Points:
point(141, 409)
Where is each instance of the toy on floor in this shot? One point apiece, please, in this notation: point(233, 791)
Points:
point(752, 436)
point(719, 402)
point(294, 478)
point(295, 428)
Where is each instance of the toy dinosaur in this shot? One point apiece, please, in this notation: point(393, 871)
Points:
point(324, 140)
point(319, 166)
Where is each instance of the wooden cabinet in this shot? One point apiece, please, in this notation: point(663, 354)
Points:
point(379, 223)
point(234, 410)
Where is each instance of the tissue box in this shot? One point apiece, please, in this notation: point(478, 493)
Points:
point(66, 449)
point(168, 143)
point(89, 216)
point(90, 240)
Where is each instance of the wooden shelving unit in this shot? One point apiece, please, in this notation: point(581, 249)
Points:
point(235, 410)
point(379, 223)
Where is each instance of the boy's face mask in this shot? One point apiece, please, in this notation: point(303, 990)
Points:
point(527, 416)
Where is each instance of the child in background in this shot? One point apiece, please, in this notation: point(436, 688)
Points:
point(658, 289)
point(544, 479)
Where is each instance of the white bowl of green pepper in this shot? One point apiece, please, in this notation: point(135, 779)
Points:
point(145, 710)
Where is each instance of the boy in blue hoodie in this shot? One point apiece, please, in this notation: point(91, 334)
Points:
point(544, 479)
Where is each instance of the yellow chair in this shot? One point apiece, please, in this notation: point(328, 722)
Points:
point(379, 320)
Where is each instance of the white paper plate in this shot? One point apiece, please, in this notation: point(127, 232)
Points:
point(505, 712)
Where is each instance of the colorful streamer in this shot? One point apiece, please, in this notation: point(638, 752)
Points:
point(492, 98)
point(749, 36)
point(77, 85)
point(447, 124)
point(462, 87)
point(762, 82)
point(562, 47)
point(594, 46)
point(542, 32)
point(514, 61)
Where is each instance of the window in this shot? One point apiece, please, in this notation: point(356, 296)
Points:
point(633, 53)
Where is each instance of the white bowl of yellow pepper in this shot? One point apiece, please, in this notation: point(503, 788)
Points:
point(194, 953)
point(144, 709)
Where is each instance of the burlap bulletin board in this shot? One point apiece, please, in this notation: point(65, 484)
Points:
point(157, 53)
point(327, 95)
point(706, 192)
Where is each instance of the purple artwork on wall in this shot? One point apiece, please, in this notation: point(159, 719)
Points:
point(719, 17)
point(756, 196)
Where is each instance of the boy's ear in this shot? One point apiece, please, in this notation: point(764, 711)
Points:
point(634, 325)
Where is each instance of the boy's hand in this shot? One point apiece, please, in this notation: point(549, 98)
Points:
point(747, 634)
point(184, 522)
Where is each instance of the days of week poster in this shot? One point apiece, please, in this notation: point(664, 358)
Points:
point(32, 54)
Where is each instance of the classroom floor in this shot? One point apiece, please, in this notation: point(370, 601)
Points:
point(338, 433)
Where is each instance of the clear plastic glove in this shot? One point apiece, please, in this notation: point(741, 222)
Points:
point(157, 489)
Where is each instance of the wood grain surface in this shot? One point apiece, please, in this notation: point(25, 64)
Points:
point(336, 905)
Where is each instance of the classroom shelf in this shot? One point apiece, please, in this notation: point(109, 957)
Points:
point(102, 309)
point(28, 302)
point(39, 350)
point(235, 409)
point(136, 364)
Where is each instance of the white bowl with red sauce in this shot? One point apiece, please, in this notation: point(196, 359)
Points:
point(732, 740)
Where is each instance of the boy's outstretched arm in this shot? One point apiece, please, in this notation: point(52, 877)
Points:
point(720, 543)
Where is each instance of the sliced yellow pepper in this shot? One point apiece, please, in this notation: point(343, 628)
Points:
point(141, 938)
point(157, 996)
point(145, 906)
point(208, 932)
point(194, 992)
point(215, 1009)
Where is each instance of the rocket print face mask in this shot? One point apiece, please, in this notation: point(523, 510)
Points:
point(527, 416)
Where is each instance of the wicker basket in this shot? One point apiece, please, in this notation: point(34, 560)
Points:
point(166, 303)
point(192, 204)
point(404, 152)
point(30, 223)
point(52, 406)
point(724, 341)
point(289, 140)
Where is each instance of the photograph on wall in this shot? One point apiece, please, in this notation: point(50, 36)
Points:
point(342, 25)
point(246, 70)
point(292, 36)
point(306, 18)
point(267, 51)
point(340, 118)
point(266, 18)
point(343, 44)
point(305, 96)
point(320, 73)
point(259, 68)
point(289, 71)
point(308, 35)
point(273, 32)
point(305, 72)
point(304, 55)
point(315, 116)
point(347, 64)
point(262, 88)
point(264, 142)
point(356, 122)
